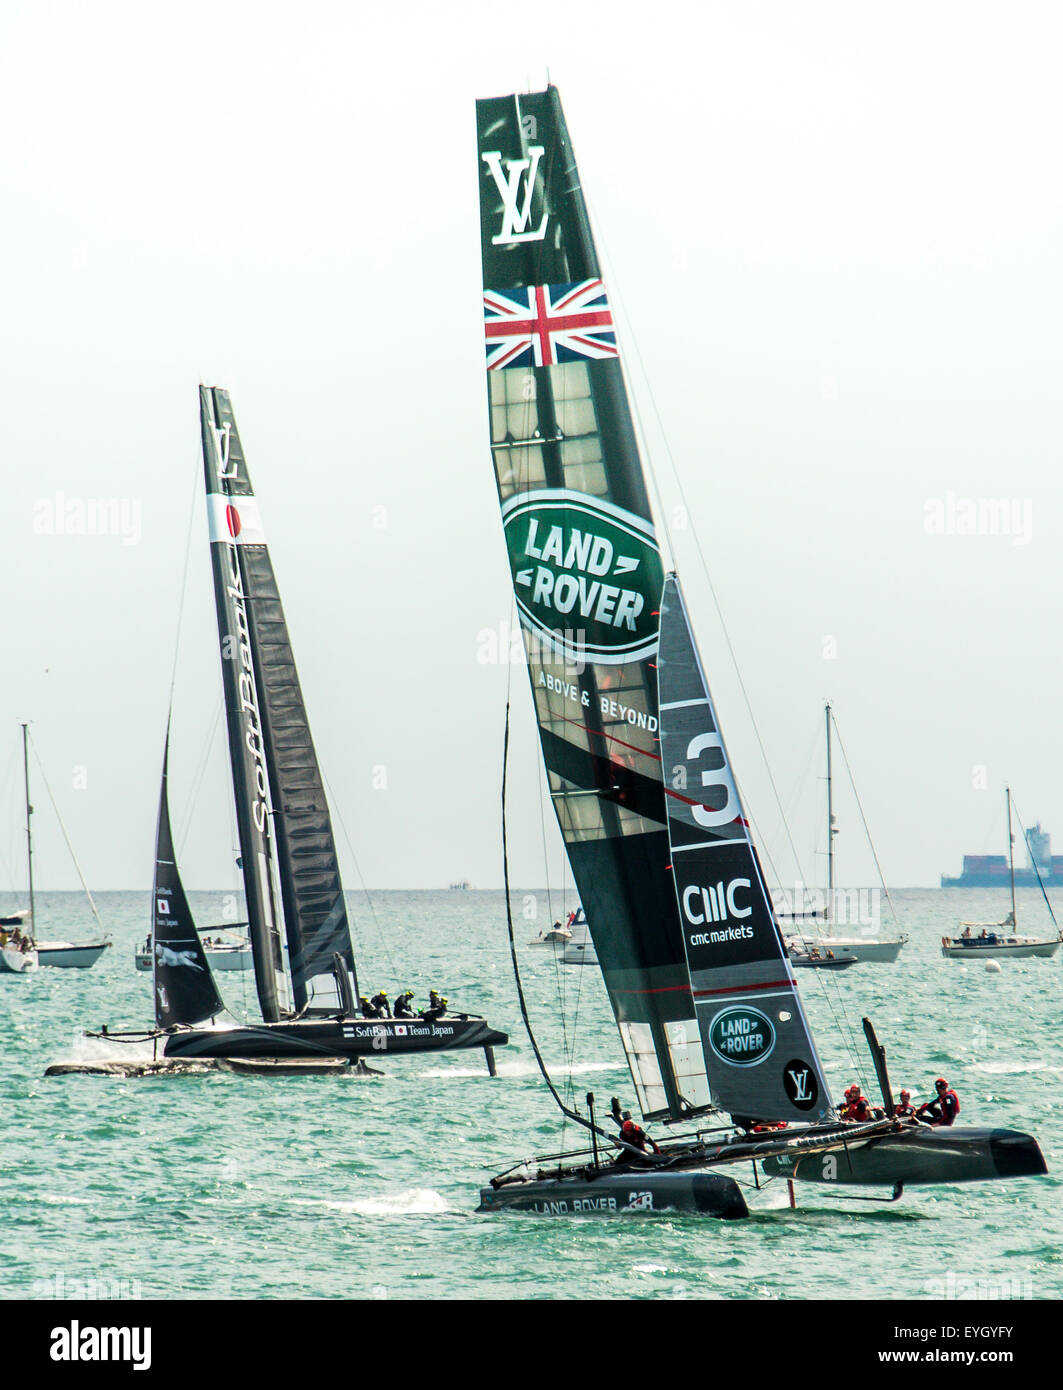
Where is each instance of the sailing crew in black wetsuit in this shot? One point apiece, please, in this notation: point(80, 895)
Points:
point(403, 1006)
point(368, 1011)
point(380, 1003)
point(437, 1008)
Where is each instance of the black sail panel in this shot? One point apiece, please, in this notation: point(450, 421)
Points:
point(761, 1060)
point(315, 913)
point(587, 576)
point(184, 987)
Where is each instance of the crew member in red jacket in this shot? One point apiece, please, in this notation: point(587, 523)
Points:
point(943, 1109)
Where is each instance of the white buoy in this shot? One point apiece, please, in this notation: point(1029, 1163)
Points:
point(993, 967)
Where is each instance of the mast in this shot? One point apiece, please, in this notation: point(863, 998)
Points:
point(243, 712)
point(1011, 857)
point(29, 832)
point(830, 826)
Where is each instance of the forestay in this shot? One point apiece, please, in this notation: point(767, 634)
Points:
point(761, 1060)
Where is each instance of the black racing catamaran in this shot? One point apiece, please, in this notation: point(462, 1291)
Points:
point(288, 856)
point(694, 963)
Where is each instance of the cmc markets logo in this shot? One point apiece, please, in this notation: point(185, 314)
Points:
point(742, 1036)
point(584, 568)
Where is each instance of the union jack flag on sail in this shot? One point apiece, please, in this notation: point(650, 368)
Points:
point(543, 325)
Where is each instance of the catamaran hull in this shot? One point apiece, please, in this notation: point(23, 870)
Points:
point(333, 1038)
point(917, 1155)
point(613, 1193)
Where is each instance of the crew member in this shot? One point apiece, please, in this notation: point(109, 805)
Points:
point(436, 1009)
point(857, 1106)
point(368, 1011)
point(634, 1135)
point(905, 1110)
point(403, 1007)
point(944, 1108)
point(380, 1003)
point(435, 999)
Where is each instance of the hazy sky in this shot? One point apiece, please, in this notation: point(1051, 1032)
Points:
point(833, 234)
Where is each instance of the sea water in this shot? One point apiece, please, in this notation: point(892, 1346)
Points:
point(224, 1186)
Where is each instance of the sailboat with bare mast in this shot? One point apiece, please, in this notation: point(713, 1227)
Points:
point(1001, 940)
point(824, 945)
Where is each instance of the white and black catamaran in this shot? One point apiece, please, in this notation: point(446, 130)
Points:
point(288, 855)
point(693, 960)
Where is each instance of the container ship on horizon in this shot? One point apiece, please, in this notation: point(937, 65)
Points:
point(991, 870)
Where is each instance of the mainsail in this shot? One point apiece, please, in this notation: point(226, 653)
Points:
point(184, 987)
point(761, 1058)
point(587, 577)
point(281, 808)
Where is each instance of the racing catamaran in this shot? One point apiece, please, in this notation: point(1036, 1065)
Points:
point(693, 960)
point(304, 964)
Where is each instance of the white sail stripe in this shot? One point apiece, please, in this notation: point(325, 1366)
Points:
point(683, 704)
point(753, 995)
point(707, 844)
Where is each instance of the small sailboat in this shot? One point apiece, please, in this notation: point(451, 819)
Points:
point(579, 948)
point(21, 951)
point(1001, 940)
point(308, 987)
point(225, 947)
point(824, 948)
point(693, 961)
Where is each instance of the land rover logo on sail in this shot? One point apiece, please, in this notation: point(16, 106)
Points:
point(587, 575)
point(742, 1036)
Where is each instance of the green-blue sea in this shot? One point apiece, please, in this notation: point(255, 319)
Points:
point(224, 1186)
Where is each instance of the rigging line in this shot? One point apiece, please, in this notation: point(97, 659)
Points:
point(1033, 860)
point(382, 937)
point(618, 300)
point(565, 1110)
point(7, 799)
point(66, 837)
point(184, 580)
point(198, 776)
point(867, 832)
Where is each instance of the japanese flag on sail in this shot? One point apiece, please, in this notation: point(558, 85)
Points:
point(543, 325)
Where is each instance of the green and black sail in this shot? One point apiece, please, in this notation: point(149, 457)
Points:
point(587, 577)
point(184, 987)
point(281, 808)
point(762, 1062)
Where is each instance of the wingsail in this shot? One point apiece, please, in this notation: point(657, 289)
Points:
point(762, 1062)
point(282, 813)
point(587, 577)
